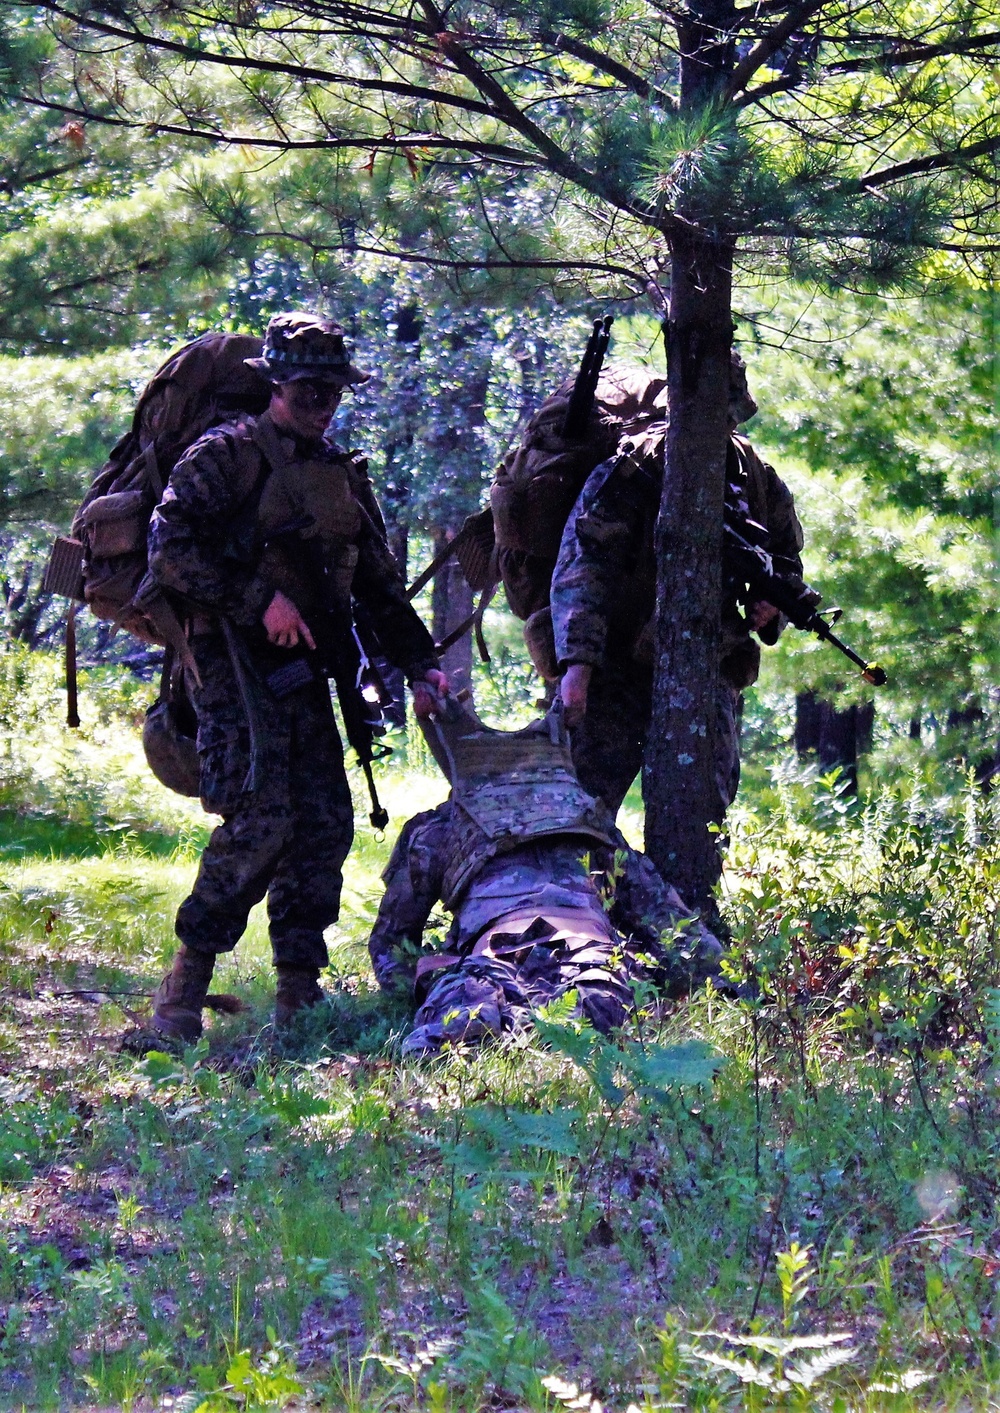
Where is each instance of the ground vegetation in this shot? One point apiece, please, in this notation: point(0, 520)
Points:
point(782, 1202)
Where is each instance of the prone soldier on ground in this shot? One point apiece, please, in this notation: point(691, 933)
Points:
point(545, 894)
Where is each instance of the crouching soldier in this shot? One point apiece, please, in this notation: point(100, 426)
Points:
point(546, 896)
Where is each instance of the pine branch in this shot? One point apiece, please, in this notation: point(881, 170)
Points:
point(506, 110)
point(12, 185)
point(769, 45)
point(604, 63)
point(389, 142)
point(936, 162)
point(444, 262)
point(287, 69)
point(766, 90)
point(918, 55)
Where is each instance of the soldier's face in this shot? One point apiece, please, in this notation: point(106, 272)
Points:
point(305, 406)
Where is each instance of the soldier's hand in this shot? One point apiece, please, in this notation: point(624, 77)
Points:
point(284, 624)
point(760, 614)
point(573, 689)
point(428, 691)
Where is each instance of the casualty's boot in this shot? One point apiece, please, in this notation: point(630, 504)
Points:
point(180, 996)
point(298, 989)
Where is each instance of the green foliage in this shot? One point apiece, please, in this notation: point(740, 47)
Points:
point(789, 1178)
point(883, 421)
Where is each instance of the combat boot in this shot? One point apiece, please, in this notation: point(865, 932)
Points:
point(180, 996)
point(298, 988)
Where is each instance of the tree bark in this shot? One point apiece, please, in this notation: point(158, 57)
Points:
point(678, 774)
point(452, 602)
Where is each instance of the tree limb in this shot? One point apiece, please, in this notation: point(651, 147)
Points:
point(769, 45)
point(606, 65)
point(389, 141)
point(453, 263)
point(936, 162)
point(918, 55)
point(268, 66)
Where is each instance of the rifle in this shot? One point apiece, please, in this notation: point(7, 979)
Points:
point(750, 568)
point(361, 692)
point(581, 399)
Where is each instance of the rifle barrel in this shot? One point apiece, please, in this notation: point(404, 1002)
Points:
point(582, 397)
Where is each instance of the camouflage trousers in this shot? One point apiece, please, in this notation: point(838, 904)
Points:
point(491, 995)
point(289, 837)
point(609, 743)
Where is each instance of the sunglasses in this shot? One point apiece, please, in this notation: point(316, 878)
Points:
point(314, 392)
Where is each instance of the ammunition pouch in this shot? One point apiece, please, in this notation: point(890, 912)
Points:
point(540, 641)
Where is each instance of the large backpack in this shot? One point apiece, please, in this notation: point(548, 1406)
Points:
point(103, 561)
point(515, 540)
point(536, 485)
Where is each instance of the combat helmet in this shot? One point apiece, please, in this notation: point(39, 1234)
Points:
point(168, 741)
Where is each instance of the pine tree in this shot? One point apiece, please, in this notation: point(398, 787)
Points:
point(826, 139)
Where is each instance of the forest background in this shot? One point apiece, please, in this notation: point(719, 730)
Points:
point(811, 1175)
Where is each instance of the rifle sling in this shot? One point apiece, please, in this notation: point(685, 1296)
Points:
point(439, 561)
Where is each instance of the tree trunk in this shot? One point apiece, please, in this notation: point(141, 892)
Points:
point(454, 446)
point(678, 774)
point(452, 602)
point(837, 736)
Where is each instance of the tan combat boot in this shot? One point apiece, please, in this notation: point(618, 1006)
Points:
point(180, 996)
point(298, 988)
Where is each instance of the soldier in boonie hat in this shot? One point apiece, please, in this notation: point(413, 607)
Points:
point(279, 614)
point(302, 345)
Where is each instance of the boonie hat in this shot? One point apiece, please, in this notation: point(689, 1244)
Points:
point(303, 345)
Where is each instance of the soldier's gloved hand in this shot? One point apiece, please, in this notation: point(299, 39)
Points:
point(573, 689)
point(428, 690)
point(284, 624)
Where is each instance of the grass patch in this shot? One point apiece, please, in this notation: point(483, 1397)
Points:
point(787, 1203)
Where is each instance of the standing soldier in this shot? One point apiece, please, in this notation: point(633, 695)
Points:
point(603, 597)
point(266, 532)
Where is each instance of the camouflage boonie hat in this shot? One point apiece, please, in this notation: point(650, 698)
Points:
point(305, 346)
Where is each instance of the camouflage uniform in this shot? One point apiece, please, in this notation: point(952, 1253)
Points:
point(524, 860)
point(603, 600)
point(247, 512)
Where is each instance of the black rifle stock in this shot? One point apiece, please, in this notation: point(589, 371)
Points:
point(581, 398)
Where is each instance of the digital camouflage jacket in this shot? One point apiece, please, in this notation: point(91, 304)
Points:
point(247, 512)
point(604, 585)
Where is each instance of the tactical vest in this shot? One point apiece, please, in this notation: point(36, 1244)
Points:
point(308, 521)
point(509, 789)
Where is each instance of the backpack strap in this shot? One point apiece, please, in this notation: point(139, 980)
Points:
point(72, 702)
point(474, 543)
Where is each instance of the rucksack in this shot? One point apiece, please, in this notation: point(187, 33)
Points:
point(536, 485)
point(103, 561)
point(515, 540)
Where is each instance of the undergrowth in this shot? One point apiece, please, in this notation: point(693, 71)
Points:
point(786, 1201)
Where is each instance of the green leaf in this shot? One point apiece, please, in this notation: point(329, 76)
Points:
point(664, 1067)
